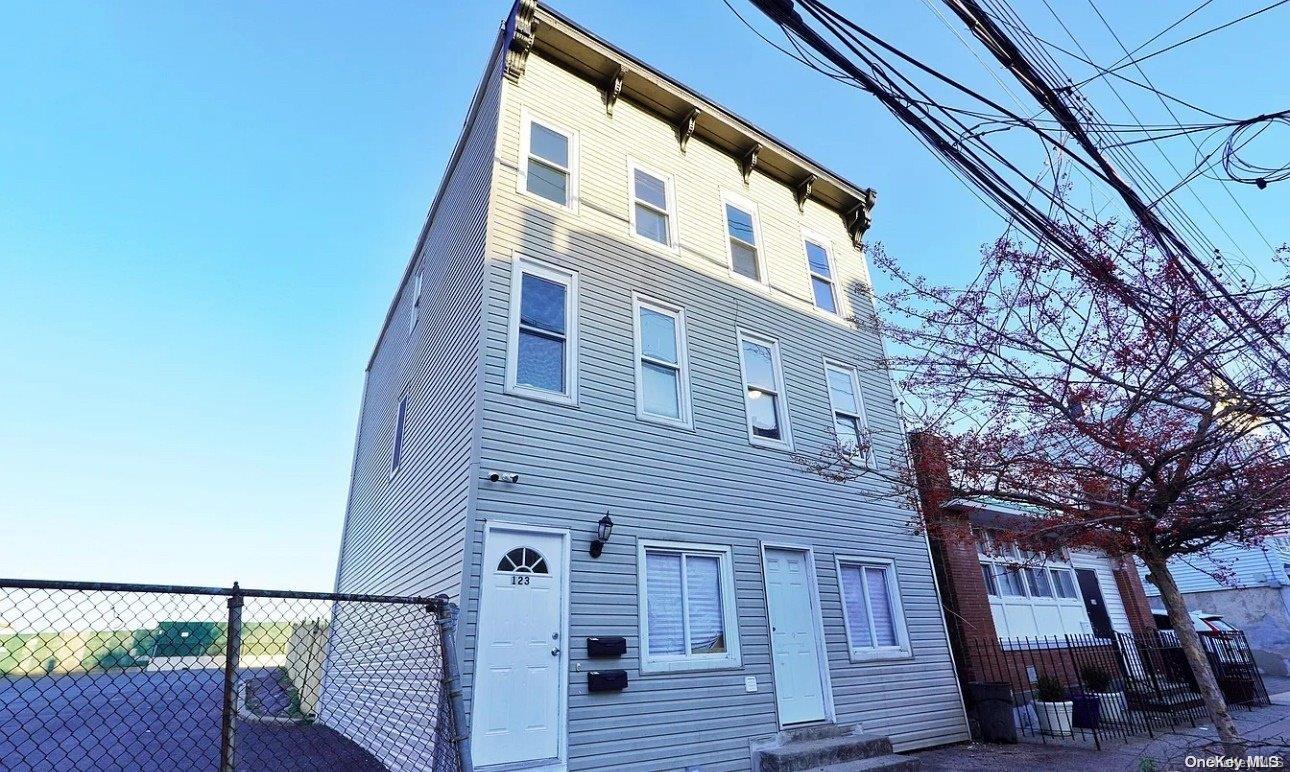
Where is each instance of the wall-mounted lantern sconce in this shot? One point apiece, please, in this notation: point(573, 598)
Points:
point(603, 529)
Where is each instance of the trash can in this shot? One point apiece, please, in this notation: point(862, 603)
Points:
point(993, 706)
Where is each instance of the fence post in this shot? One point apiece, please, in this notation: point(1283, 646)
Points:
point(233, 648)
point(447, 618)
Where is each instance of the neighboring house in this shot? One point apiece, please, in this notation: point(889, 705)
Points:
point(1248, 586)
point(628, 302)
point(992, 590)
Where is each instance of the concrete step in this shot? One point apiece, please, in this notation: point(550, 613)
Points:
point(800, 755)
point(892, 762)
point(816, 732)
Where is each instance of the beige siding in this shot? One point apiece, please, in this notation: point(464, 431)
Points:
point(706, 485)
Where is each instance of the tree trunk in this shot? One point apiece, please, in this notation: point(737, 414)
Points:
point(1189, 640)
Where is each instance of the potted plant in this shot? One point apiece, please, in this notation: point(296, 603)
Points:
point(1052, 707)
point(1101, 685)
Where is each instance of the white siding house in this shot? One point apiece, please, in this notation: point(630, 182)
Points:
point(628, 302)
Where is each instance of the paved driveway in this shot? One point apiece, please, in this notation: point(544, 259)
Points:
point(151, 722)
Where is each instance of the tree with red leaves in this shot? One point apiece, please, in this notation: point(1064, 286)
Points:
point(1108, 397)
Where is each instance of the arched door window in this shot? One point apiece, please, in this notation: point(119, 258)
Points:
point(523, 560)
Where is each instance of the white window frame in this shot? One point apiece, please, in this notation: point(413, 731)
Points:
point(785, 442)
point(414, 313)
point(747, 205)
point(398, 438)
point(520, 265)
point(818, 239)
point(732, 657)
point(686, 421)
point(669, 189)
point(527, 119)
point(902, 648)
point(868, 461)
point(1002, 557)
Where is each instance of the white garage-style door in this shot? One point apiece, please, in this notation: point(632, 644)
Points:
point(801, 679)
point(520, 686)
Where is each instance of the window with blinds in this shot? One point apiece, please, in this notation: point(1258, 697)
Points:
point(687, 618)
point(871, 608)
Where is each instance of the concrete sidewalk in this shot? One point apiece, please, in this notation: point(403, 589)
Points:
point(1165, 752)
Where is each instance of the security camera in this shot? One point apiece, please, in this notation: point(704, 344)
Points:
point(509, 477)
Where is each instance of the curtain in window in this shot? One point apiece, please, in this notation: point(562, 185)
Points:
point(884, 629)
point(857, 606)
point(703, 604)
point(663, 599)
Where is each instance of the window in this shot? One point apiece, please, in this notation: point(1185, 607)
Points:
point(848, 409)
point(415, 313)
point(871, 608)
point(764, 402)
point(522, 560)
point(542, 355)
point(396, 452)
point(548, 161)
point(662, 373)
point(987, 573)
point(743, 235)
point(1031, 594)
point(820, 266)
point(688, 619)
point(653, 205)
point(1037, 582)
point(1064, 583)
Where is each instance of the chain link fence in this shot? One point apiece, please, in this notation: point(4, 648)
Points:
point(143, 677)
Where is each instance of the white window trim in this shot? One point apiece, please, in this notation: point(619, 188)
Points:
point(831, 364)
point(521, 265)
point(683, 362)
point(399, 436)
point(673, 244)
point(839, 297)
point(414, 313)
point(902, 649)
point(1008, 556)
point(727, 197)
point(786, 440)
point(527, 118)
point(732, 657)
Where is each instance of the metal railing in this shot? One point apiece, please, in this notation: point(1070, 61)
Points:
point(1091, 689)
point(157, 677)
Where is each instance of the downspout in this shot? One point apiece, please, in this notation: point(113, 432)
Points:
point(447, 614)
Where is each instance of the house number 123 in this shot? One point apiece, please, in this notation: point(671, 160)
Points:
point(520, 579)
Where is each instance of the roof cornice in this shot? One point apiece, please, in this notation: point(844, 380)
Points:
point(533, 26)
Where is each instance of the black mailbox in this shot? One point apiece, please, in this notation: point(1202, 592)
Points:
point(606, 646)
point(606, 680)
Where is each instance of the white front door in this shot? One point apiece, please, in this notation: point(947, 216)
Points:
point(517, 711)
point(799, 686)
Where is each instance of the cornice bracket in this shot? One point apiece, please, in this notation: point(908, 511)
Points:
point(613, 89)
point(685, 129)
point(521, 27)
point(860, 217)
point(749, 161)
point(803, 191)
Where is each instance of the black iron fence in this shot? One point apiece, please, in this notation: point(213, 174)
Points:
point(1092, 689)
point(142, 677)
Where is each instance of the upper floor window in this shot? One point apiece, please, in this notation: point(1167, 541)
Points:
point(820, 266)
point(848, 410)
point(662, 376)
point(688, 619)
point(548, 161)
point(415, 313)
point(653, 205)
point(764, 400)
point(744, 238)
point(1012, 572)
point(871, 609)
point(396, 451)
point(542, 351)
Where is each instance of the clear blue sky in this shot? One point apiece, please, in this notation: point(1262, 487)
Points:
point(204, 208)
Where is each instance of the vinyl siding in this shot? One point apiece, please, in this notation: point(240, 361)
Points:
point(405, 534)
point(1246, 567)
point(706, 485)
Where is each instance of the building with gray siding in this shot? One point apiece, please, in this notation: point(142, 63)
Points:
point(629, 304)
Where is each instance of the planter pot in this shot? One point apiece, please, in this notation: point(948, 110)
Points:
point(1055, 717)
point(1085, 711)
point(1115, 708)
